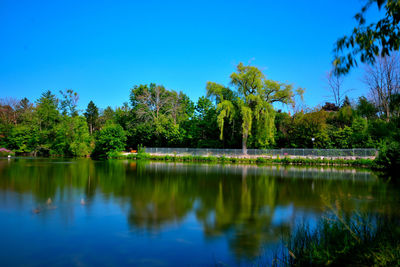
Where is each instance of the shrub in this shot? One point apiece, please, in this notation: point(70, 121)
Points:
point(109, 140)
point(389, 157)
point(5, 152)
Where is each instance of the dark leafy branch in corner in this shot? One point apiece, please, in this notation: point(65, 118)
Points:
point(369, 41)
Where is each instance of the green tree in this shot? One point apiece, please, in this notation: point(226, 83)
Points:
point(92, 115)
point(360, 137)
point(395, 104)
point(365, 108)
point(346, 102)
point(46, 111)
point(73, 138)
point(69, 102)
point(23, 139)
point(106, 115)
point(306, 126)
point(158, 115)
point(111, 138)
point(24, 110)
point(46, 118)
point(252, 102)
point(203, 128)
point(122, 115)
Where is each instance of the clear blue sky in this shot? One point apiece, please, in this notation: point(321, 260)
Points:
point(101, 49)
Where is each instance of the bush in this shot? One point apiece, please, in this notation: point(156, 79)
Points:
point(389, 157)
point(109, 140)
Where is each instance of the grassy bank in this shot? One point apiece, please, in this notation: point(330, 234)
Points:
point(259, 160)
point(337, 241)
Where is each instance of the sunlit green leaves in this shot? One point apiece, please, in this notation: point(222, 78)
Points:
point(252, 101)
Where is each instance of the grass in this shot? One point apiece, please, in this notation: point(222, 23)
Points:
point(356, 241)
point(259, 160)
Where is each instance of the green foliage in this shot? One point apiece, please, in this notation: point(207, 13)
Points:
point(47, 114)
point(305, 126)
point(369, 41)
point(111, 138)
point(226, 118)
point(389, 157)
point(366, 109)
point(23, 139)
point(73, 138)
point(251, 102)
point(202, 129)
point(92, 115)
point(158, 116)
point(68, 105)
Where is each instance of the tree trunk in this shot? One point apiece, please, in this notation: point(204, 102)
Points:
point(244, 144)
point(387, 112)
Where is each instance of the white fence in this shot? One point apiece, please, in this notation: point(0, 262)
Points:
point(289, 152)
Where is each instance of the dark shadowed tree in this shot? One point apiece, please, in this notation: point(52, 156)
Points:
point(92, 115)
point(365, 108)
point(330, 107)
point(346, 102)
point(367, 41)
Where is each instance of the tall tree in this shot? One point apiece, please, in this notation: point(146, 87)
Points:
point(150, 102)
point(335, 86)
point(253, 98)
point(46, 109)
point(46, 117)
point(92, 115)
point(69, 103)
point(106, 115)
point(383, 80)
point(24, 110)
point(203, 126)
point(160, 111)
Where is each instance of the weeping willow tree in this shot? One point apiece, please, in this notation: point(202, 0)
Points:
point(251, 100)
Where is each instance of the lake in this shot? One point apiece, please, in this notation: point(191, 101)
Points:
point(119, 212)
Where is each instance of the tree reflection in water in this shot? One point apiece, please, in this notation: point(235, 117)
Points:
point(249, 205)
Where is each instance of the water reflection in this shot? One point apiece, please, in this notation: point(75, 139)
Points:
point(248, 206)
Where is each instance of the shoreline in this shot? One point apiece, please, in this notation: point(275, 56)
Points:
point(357, 162)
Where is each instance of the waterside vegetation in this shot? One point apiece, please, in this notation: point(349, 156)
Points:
point(259, 160)
point(244, 116)
point(340, 240)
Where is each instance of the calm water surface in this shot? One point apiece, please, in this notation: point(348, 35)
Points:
point(90, 213)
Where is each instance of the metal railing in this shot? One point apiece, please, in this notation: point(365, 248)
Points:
point(289, 152)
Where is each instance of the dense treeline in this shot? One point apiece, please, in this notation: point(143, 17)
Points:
point(241, 116)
